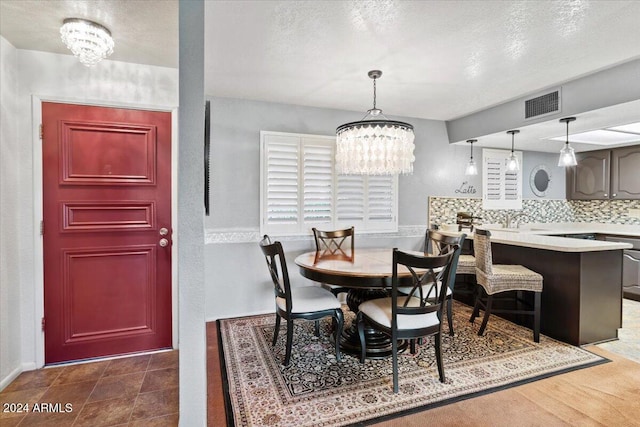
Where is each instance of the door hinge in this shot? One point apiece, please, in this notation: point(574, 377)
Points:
point(41, 131)
point(42, 323)
point(42, 228)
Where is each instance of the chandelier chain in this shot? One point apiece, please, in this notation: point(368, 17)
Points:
point(374, 93)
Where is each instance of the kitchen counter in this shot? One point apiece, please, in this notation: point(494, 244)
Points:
point(582, 290)
point(545, 236)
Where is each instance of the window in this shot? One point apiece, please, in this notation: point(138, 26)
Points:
point(502, 189)
point(300, 189)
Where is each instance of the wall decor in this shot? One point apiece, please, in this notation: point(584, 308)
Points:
point(207, 143)
point(539, 180)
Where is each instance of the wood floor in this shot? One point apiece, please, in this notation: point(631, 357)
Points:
point(604, 395)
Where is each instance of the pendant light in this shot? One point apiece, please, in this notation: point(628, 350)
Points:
point(513, 164)
point(567, 154)
point(375, 145)
point(472, 169)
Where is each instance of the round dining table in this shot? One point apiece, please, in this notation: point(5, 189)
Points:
point(367, 274)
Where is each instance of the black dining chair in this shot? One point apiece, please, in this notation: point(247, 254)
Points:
point(308, 303)
point(409, 316)
point(439, 243)
point(338, 244)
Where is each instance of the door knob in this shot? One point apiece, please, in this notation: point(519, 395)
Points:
point(163, 242)
point(164, 231)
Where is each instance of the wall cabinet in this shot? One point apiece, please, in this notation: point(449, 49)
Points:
point(605, 174)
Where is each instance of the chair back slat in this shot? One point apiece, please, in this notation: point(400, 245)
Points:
point(337, 242)
point(274, 256)
point(482, 249)
point(434, 270)
point(438, 243)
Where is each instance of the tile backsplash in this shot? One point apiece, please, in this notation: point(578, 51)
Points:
point(442, 210)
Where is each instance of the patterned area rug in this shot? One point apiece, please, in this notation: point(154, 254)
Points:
point(316, 390)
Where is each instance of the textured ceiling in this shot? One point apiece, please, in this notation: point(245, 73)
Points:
point(144, 32)
point(440, 59)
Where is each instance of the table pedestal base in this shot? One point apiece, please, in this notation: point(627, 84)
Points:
point(378, 343)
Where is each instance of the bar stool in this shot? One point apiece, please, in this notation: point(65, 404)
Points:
point(496, 278)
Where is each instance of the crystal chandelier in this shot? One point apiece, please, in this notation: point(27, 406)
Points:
point(90, 42)
point(472, 168)
point(375, 145)
point(567, 154)
point(513, 164)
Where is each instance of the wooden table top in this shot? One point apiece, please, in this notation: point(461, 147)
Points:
point(368, 268)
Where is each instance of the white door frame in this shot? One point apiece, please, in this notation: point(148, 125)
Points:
point(36, 120)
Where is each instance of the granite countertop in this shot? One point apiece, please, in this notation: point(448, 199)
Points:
point(543, 236)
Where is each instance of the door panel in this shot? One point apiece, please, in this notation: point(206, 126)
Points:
point(625, 183)
point(590, 178)
point(106, 194)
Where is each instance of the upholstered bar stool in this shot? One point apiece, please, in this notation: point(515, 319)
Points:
point(497, 278)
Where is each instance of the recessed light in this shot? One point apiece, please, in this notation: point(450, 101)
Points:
point(631, 127)
point(601, 137)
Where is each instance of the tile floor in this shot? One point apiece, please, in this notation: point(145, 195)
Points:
point(133, 391)
point(143, 390)
point(628, 343)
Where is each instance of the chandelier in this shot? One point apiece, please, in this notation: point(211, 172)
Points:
point(375, 145)
point(90, 42)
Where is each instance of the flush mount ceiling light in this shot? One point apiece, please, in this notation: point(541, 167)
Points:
point(375, 145)
point(471, 169)
point(513, 164)
point(90, 42)
point(567, 154)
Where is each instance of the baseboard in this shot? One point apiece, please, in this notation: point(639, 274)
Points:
point(233, 316)
point(12, 376)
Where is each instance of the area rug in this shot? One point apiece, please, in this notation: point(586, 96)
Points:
point(316, 390)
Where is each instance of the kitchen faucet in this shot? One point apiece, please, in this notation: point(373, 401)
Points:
point(508, 218)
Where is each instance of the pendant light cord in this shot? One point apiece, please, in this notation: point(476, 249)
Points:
point(471, 145)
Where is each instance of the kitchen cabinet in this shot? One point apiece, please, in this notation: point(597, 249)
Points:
point(605, 174)
point(625, 173)
point(590, 179)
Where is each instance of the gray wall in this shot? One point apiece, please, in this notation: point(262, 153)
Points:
point(10, 323)
point(235, 272)
point(609, 87)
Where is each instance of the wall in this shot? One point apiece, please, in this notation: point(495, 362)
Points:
point(53, 76)
point(10, 333)
point(237, 282)
point(193, 343)
point(615, 85)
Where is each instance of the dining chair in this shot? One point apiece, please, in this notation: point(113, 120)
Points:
point(308, 303)
point(497, 279)
point(409, 316)
point(438, 243)
point(329, 244)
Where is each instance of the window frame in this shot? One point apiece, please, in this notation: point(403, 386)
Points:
point(366, 224)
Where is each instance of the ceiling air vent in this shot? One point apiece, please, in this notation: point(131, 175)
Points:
point(542, 105)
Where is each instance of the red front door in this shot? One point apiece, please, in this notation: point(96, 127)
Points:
point(107, 230)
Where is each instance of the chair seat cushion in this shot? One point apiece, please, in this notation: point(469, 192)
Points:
point(309, 299)
point(379, 310)
point(425, 289)
point(510, 278)
point(466, 265)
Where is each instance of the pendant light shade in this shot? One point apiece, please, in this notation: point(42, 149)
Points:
point(90, 42)
point(375, 145)
point(567, 154)
point(471, 169)
point(513, 164)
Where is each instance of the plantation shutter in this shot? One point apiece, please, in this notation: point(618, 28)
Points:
point(317, 178)
point(299, 189)
point(381, 210)
point(280, 203)
point(350, 201)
